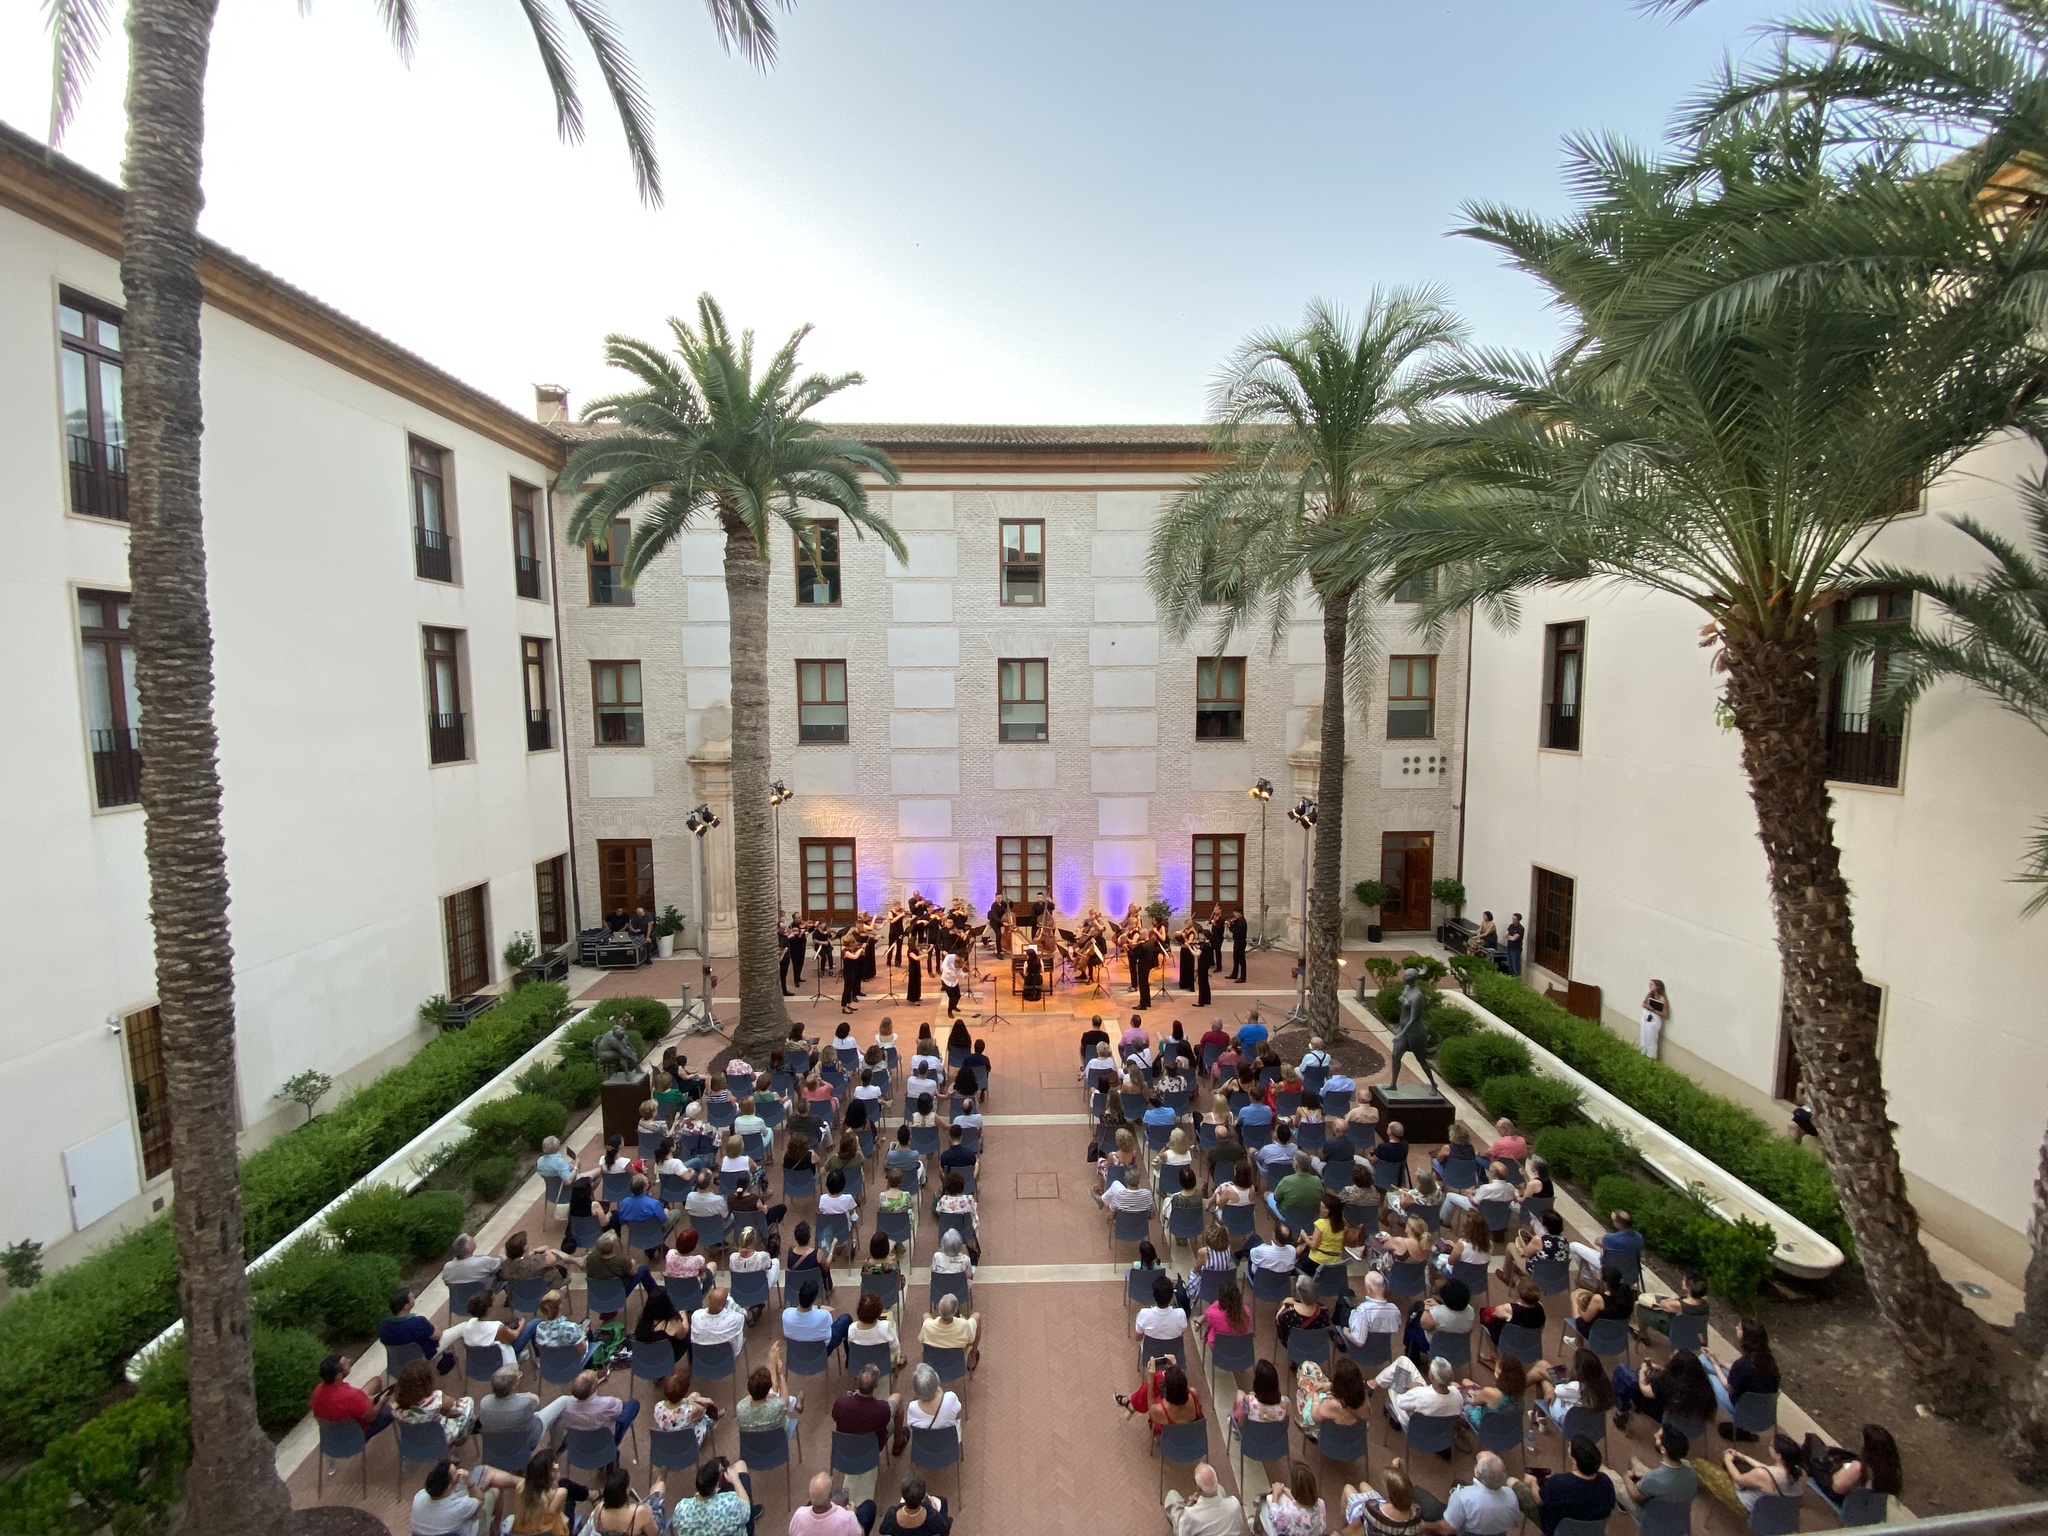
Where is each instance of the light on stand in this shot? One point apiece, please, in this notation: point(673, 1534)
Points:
point(1303, 814)
point(1262, 792)
point(699, 822)
point(777, 793)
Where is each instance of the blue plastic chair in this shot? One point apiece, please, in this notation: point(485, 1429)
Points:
point(559, 1364)
point(1477, 1278)
point(1756, 1413)
point(889, 1287)
point(749, 1288)
point(1233, 1352)
point(896, 1225)
point(1184, 1445)
point(860, 1356)
point(833, 1232)
point(614, 1187)
point(1454, 1347)
point(951, 1364)
point(1129, 1227)
point(1240, 1221)
point(1861, 1506)
point(418, 1445)
point(1306, 1344)
point(1688, 1332)
point(1774, 1515)
point(1667, 1517)
point(763, 1450)
point(672, 1450)
point(509, 1450)
point(1272, 1286)
point(1344, 1443)
point(1608, 1338)
point(1525, 1344)
point(1260, 1441)
point(602, 1295)
point(584, 1231)
point(1406, 1279)
point(685, 1292)
point(710, 1230)
point(1336, 1105)
point(1429, 1434)
point(1553, 1277)
point(799, 1184)
point(806, 1357)
point(480, 1362)
point(715, 1362)
point(592, 1448)
point(654, 1361)
point(934, 1450)
point(1377, 1349)
point(459, 1293)
point(342, 1440)
point(854, 1454)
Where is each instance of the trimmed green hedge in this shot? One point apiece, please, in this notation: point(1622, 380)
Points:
point(1718, 1130)
point(125, 1467)
point(1735, 1257)
point(1531, 1102)
point(524, 1120)
point(287, 1364)
point(63, 1343)
point(1585, 1154)
point(1470, 1060)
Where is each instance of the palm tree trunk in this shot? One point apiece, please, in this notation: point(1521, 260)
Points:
point(2031, 1327)
point(1325, 910)
point(764, 1021)
point(233, 1486)
point(1774, 690)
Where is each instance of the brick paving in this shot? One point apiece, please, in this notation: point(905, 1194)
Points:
point(1046, 1449)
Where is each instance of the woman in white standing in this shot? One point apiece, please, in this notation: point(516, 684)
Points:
point(1656, 1007)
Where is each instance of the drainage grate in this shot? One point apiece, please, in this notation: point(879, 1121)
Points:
point(1038, 1186)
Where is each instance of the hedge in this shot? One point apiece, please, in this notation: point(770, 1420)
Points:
point(1470, 1060)
point(63, 1343)
point(1531, 1102)
point(1584, 1154)
point(524, 1120)
point(1723, 1132)
point(1735, 1257)
point(287, 1369)
point(124, 1467)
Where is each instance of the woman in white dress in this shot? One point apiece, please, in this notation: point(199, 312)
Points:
point(1656, 1008)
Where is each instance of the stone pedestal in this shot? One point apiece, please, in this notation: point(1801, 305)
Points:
point(1425, 1114)
point(621, 1103)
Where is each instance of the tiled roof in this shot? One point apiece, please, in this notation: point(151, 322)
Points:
point(946, 434)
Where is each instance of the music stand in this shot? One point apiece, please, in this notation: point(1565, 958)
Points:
point(818, 971)
point(995, 991)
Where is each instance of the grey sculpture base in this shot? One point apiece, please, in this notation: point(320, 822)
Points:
point(622, 1098)
point(1425, 1114)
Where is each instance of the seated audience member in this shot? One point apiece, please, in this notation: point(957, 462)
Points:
point(417, 1401)
point(1508, 1143)
point(590, 1409)
point(872, 1326)
point(722, 1503)
point(1838, 1472)
point(479, 1330)
point(1525, 1311)
point(551, 1330)
point(769, 1404)
point(608, 1260)
point(1293, 1505)
point(1392, 1149)
point(717, 1321)
point(920, 1511)
point(507, 1410)
point(1486, 1506)
point(945, 1328)
point(1587, 1386)
point(822, 1515)
point(1211, 1512)
point(553, 1162)
point(1672, 1478)
point(468, 1267)
point(1388, 1510)
point(860, 1412)
point(405, 1327)
point(1409, 1391)
point(1227, 1314)
point(1620, 1249)
point(1678, 1389)
point(1656, 1312)
point(1784, 1474)
point(950, 1258)
point(523, 1262)
point(1372, 1313)
point(456, 1503)
point(809, 1323)
point(677, 1407)
point(336, 1399)
point(1583, 1491)
point(1754, 1370)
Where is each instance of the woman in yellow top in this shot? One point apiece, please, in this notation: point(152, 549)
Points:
point(1326, 1239)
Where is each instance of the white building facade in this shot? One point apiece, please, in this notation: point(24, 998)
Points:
point(1001, 710)
point(394, 798)
point(1607, 802)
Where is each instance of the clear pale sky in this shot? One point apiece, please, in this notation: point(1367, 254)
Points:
point(998, 210)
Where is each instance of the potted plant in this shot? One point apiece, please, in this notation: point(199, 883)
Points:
point(519, 949)
point(436, 1012)
point(1159, 911)
point(306, 1088)
point(666, 927)
point(1374, 894)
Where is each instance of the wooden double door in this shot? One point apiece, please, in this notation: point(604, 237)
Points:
point(1407, 860)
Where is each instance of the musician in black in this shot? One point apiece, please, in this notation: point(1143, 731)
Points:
point(1034, 974)
point(1217, 928)
point(828, 948)
point(1144, 955)
point(1208, 960)
point(1240, 935)
point(898, 921)
point(793, 936)
point(852, 958)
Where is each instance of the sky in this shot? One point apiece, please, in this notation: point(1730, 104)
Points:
point(995, 210)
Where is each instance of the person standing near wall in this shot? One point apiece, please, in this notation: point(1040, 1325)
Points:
point(1516, 933)
point(1650, 1030)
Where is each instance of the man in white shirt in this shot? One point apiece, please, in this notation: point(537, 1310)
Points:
point(1373, 1313)
point(1126, 1197)
point(705, 1200)
point(1316, 1056)
point(1278, 1257)
point(1211, 1512)
point(1161, 1320)
point(1338, 1082)
point(1496, 1187)
point(918, 1085)
point(969, 1118)
point(1486, 1506)
point(1434, 1396)
point(715, 1322)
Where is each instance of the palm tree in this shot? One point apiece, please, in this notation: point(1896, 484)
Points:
point(1995, 639)
point(232, 1487)
point(1735, 444)
point(1311, 426)
point(702, 440)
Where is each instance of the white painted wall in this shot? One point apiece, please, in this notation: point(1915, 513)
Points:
point(341, 838)
point(1122, 786)
point(1653, 820)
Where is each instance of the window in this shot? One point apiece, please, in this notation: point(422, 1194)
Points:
point(608, 587)
point(1219, 698)
point(625, 875)
point(540, 724)
point(817, 564)
point(1411, 697)
point(1416, 588)
point(526, 539)
point(821, 701)
point(144, 1033)
point(1564, 671)
point(112, 711)
point(829, 886)
point(1021, 687)
point(551, 901)
point(95, 433)
point(433, 538)
point(616, 687)
point(1863, 749)
point(1553, 909)
point(447, 740)
point(1024, 868)
point(1219, 869)
point(1790, 1077)
point(469, 941)
point(1023, 563)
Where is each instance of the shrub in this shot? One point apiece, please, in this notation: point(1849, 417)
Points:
point(1584, 1154)
point(1382, 969)
point(286, 1292)
point(1469, 1060)
point(524, 1120)
point(126, 1464)
point(287, 1371)
point(1433, 971)
point(489, 1179)
point(1465, 967)
point(1447, 1023)
point(384, 1219)
point(1734, 1257)
point(355, 1295)
point(572, 1083)
point(62, 1344)
point(1723, 1132)
point(37, 1502)
point(1531, 1102)
point(642, 1016)
point(1448, 891)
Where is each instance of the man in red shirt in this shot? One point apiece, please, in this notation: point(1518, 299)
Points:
point(335, 1400)
point(861, 1412)
point(1510, 1146)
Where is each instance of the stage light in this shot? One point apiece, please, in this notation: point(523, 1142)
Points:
point(701, 820)
point(778, 792)
point(1303, 813)
point(1263, 790)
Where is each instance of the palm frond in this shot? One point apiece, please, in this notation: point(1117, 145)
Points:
point(747, 27)
point(399, 21)
point(2034, 871)
point(77, 29)
point(629, 98)
point(547, 37)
